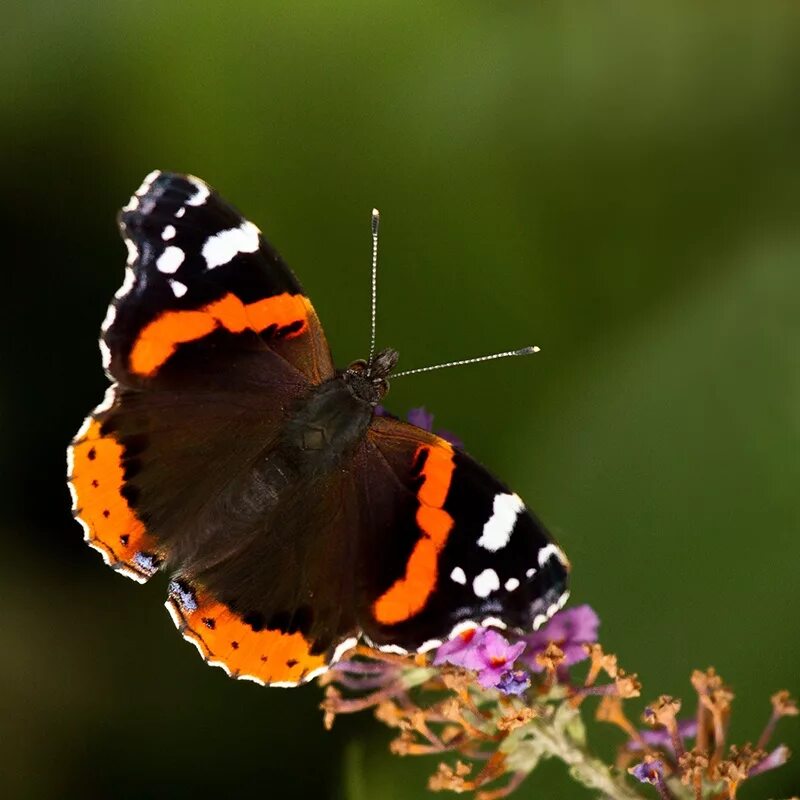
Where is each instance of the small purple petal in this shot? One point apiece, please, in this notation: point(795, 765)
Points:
point(498, 656)
point(778, 757)
point(648, 772)
point(379, 411)
point(483, 650)
point(659, 737)
point(570, 630)
point(514, 681)
point(463, 650)
point(496, 648)
point(490, 677)
point(449, 437)
point(421, 418)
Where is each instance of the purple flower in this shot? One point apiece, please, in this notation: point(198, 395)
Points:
point(498, 657)
point(484, 651)
point(515, 681)
point(423, 419)
point(660, 737)
point(462, 649)
point(651, 770)
point(776, 758)
point(570, 629)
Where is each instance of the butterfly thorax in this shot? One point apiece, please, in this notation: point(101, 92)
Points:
point(329, 422)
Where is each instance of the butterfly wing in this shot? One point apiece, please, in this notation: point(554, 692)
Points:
point(451, 545)
point(211, 342)
point(202, 277)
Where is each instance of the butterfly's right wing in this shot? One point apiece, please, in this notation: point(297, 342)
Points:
point(448, 545)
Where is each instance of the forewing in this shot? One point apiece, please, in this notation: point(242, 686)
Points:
point(200, 276)
point(451, 545)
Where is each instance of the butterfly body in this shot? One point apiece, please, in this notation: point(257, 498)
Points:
point(230, 453)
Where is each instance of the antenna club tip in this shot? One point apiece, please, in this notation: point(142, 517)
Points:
point(526, 351)
point(375, 213)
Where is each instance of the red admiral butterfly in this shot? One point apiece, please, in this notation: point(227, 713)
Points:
point(230, 452)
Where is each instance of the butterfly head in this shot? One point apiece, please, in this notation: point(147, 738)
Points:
point(369, 380)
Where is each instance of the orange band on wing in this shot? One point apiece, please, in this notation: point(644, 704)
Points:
point(408, 595)
point(110, 525)
point(223, 640)
point(160, 339)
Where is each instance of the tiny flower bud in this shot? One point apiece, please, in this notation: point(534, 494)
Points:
point(627, 686)
point(693, 766)
point(447, 778)
point(551, 658)
point(783, 704)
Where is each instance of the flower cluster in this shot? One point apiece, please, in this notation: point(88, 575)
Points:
point(498, 704)
point(501, 706)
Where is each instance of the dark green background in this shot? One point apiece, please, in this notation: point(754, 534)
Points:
point(617, 182)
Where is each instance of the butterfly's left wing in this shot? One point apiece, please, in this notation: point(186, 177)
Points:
point(202, 279)
point(210, 339)
point(448, 545)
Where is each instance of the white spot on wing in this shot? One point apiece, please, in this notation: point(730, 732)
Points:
point(458, 575)
point(133, 253)
point(200, 196)
point(486, 583)
point(250, 678)
point(511, 584)
point(148, 181)
point(180, 212)
point(127, 284)
point(122, 569)
point(170, 260)
point(224, 667)
point(108, 321)
point(550, 550)
point(493, 622)
point(84, 429)
point(497, 531)
point(393, 648)
point(168, 233)
point(538, 621)
point(174, 614)
point(431, 644)
point(178, 289)
point(467, 625)
point(315, 673)
point(105, 354)
point(343, 647)
point(529, 573)
point(132, 204)
point(226, 245)
point(108, 400)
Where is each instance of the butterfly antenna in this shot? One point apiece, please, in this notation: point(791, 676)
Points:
point(376, 220)
point(524, 351)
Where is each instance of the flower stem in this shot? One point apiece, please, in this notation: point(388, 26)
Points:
point(585, 768)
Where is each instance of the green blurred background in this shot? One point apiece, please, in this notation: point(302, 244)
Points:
point(616, 182)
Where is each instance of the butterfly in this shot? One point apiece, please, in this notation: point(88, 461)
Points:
point(293, 520)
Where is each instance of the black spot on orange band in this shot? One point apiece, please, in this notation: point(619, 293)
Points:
point(225, 639)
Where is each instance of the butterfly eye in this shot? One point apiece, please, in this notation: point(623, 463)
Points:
point(357, 367)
